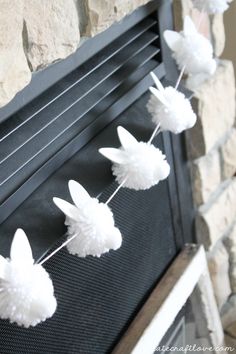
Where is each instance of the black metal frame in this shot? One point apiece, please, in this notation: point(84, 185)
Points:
point(178, 143)
point(179, 185)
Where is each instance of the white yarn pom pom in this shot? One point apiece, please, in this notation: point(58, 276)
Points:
point(211, 6)
point(141, 165)
point(191, 50)
point(26, 290)
point(170, 109)
point(91, 221)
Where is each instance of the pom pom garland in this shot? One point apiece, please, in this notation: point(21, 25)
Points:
point(90, 224)
point(170, 109)
point(191, 50)
point(137, 165)
point(26, 290)
point(211, 6)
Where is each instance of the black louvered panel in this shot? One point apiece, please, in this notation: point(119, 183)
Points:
point(16, 147)
point(53, 74)
point(85, 78)
point(33, 142)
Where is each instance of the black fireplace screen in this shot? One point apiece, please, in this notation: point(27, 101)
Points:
point(56, 138)
point(97, 298)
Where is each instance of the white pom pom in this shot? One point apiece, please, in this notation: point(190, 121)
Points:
point(26, 290)
point(195, 81)
point(170, 108)
point(191, 49)
point(91, 221)
point(211, 6)
point(141, 165)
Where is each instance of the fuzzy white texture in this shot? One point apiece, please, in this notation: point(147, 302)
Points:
point(26, 290)
point(191, 50)
point(170, 109)
point(211, 6)
point(141, 165)
point(91, 222)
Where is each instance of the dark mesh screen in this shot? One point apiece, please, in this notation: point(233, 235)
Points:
point(97, 298)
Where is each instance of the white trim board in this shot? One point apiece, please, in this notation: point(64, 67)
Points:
point(159, 312)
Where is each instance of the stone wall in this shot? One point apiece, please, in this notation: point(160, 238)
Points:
point(212, 153)
point(101, 14)
point(34, 34)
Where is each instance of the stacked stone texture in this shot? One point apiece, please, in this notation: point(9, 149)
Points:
point(212, 152)
point(101, 14)
point(33, 34)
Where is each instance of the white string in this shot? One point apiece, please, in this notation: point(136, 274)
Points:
point(57, 249)
point(116, 191)
point(180, 77)
point(155, 132)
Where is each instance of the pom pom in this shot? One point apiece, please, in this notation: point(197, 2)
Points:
point(170, 109)
point(211, 6)
point(141, 165)
point(26, 290)
point(91, 222)
point(191, 50)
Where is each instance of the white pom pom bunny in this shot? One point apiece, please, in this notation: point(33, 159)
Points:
point(90, 221)
point(192, 51)
point(211, 6)
point(137, 165)
point(170, 109)
point(26, 290)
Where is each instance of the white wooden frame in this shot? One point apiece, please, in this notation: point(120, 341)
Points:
point(150, 325)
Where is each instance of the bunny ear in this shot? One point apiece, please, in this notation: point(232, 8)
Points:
point(158, 95)
point(172, 39)
point(68, 209)
point(20, 248)
point(3, 263)
point(78, 194)
point(157, 82)
point(115, 155)
point(189, 26)
point(126, 139)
